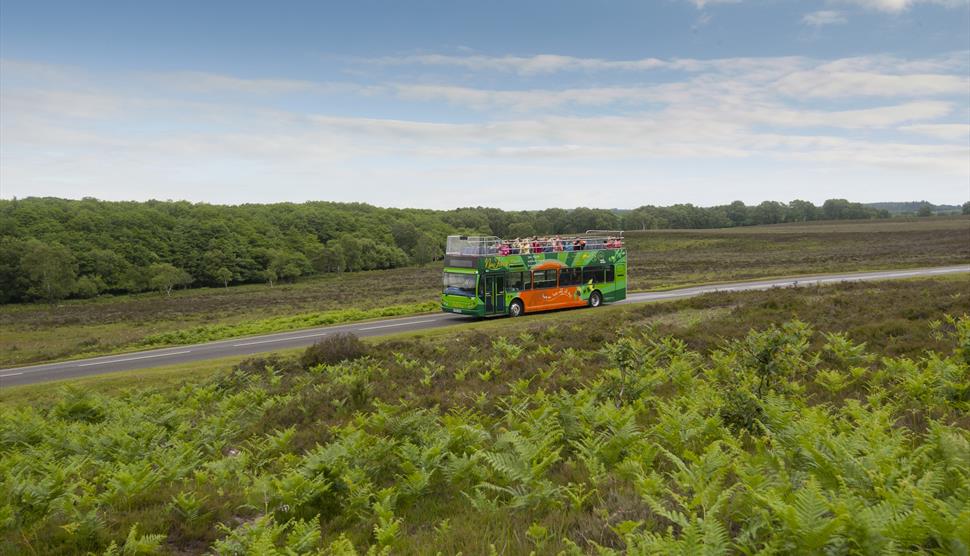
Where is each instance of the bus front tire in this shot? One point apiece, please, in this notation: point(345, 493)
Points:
point(595, 299)
point(516, 308)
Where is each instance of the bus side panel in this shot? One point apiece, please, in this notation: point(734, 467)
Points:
point(552, 298)
point(566, 296)
point(616, 291)
point(462, 305)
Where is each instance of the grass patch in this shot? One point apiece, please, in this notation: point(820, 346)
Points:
point(220, 331)
point(157, 378)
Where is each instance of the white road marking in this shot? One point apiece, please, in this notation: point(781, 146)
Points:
point(134, 358)
point(11, 374)
point(398, 324)
point(280, 339)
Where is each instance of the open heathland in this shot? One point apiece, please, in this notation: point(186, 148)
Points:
point(658, 259)
point(818, 420)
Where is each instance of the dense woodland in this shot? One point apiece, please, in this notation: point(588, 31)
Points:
point(920, 208)
point(52, 248)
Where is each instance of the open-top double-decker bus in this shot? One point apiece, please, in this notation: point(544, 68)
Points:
point(487, 276)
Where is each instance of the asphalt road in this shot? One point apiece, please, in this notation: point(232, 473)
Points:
point(299, 338)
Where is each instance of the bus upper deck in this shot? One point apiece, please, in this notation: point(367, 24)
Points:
point(489, 276)
point(491, 245)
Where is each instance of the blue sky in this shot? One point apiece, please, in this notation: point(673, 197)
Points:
point(508, 104)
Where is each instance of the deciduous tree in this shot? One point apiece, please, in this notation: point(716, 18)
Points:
point(166, 276)
point(224, 275)
point(51, 269)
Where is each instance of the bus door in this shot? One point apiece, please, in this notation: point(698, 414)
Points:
point(494, 294)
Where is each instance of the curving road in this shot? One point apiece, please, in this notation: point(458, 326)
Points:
point(299, 338)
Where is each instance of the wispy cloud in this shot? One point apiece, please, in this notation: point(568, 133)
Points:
point(830, 82)
point(524, 65)
point(897, 6)
point(701, 4)
point(204, 82)
point(824, 17)
point(175, 135)
point(946, 132)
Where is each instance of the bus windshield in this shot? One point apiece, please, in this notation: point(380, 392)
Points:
point(459, 284)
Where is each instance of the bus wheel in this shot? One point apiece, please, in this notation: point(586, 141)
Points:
point(516, 308)
point(595, 299)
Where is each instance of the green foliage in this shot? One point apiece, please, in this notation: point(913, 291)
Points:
point(137, 545)
point(223, 275)
point(738, 214)
point(776, 354)
point(116, 243)
point(741, 410)
point(165, 276)
point(219, 331)
point(50, 269)
point(79, 405)
point(673, 453)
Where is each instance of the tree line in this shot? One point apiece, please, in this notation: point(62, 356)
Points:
point(53, 248)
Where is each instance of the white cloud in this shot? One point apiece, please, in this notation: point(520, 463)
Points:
point(897, 6)
point(139, 135)
point(701, 4)
point(824, 17)
point(523, 65)
point(877, 75)
point(946, 132)
point(822, 83)
point(525, 100)
point(203, 82)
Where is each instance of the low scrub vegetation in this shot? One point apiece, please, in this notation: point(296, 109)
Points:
point(332, 350)
point(834, 421)
point(665, 258)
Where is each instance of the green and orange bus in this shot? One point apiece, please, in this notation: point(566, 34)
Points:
point(486, 276)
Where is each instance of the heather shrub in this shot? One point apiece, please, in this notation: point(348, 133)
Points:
point(333, 349)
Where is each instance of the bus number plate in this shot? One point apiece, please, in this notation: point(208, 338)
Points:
point(456, 310)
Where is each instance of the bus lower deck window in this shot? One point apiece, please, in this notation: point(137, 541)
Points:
point(519, 281)
point(570, 277)
point(544, 279)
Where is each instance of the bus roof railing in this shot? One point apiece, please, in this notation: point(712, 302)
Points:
point(471, 245)
point(489, 245)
